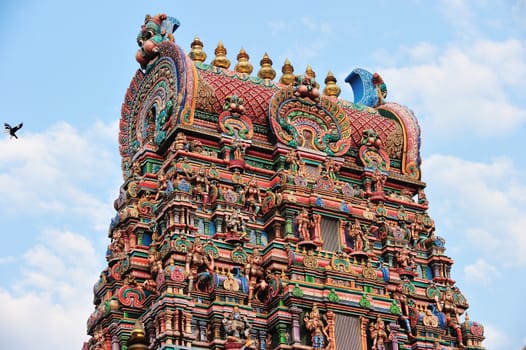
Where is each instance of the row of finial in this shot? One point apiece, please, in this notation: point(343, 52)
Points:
point(265, 72)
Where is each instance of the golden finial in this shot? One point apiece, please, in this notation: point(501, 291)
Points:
point(137, 339)
point(197, 53)
point(310, 72)
point(266, 71)
point(331, 88)
point(288, 77)
point(243, 65)
point(221, 60)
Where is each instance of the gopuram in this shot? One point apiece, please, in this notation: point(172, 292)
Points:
point(259, 212)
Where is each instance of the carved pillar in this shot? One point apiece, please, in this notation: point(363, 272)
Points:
point(331, 319)
point(363, 331)
point(289, 226)
point(169, 320)
point(282, 333)
point(393, 335)
point(295, 325)
point(277, 229)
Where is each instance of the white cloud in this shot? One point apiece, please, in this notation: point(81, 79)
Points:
point(51, 300)
point(496, 338)
point(56, 171)
point(481, 272)
point(483, 205)
point(463, 87)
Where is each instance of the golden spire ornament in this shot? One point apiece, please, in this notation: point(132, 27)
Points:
point(197, 54)
point(310, 72)
point(331, 88)
point(266, 71)
point(288, 77)
point(221, 60)
point(243, 65)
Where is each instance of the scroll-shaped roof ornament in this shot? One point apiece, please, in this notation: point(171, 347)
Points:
point(368, 89)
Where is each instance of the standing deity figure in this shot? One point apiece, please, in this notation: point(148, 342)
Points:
point(317, 329)
point(162, 184)
point(446, 304)
point(330, 167)
point(238, 150)
point(378, 334)
point(304, 225)
point(197, 261)
point(251, 196)
point(235, 223)
point(237, 328)
point(255, 273)
point(379, 180)
point(200, 182)
point(296, 166)
point(404, 259)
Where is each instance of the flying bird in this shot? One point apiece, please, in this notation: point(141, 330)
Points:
point(11, 130)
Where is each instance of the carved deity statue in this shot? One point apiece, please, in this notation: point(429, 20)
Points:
point(237, 327)
point(378, 334)
point(197, 261)
point(255, 273)
point(317, 328)
point(446, 304)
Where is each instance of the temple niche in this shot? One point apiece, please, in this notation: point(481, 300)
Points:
point(260, 211)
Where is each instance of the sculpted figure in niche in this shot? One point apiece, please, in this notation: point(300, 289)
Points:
point(237, 327)
point(378, 334)
point(296, 166)
point(379, 180)
point(303, 225)
point(317, 329)
point(200, 182)
point(255, 273)
point(162, 180)
point(251, 196)
point(197, 261)
point(446, 304)
point(235, 222)
point(404, 259)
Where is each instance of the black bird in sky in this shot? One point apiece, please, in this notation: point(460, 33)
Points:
point(12, 129)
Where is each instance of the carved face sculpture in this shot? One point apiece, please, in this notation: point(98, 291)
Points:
point(154, 30)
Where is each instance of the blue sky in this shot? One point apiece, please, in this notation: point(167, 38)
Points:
point(65, 66)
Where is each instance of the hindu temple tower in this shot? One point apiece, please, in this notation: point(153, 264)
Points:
point(262, 212)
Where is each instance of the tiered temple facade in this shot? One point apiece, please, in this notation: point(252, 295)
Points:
point(263, 213)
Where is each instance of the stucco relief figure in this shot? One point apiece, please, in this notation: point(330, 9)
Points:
point(296, 165)
point(162, 180)
point(153, 32)
point(255, 273)
point(356, 237)
point(237, 327)
point(404, 259)
point(378, 180)
point(251, 195)
point(317, 328)
point(200, 183)
point(197, 261)
point(446, 305)
point(378, 334)
point(235, 223)
point(303, 225)
point(117, 242)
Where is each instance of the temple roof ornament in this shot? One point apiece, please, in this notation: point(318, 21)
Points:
point(221, 60)
point(310, 72)
point(288, 76)
point(197, 54)
point(331, 88)
point(266, 71)
point(243, 65)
